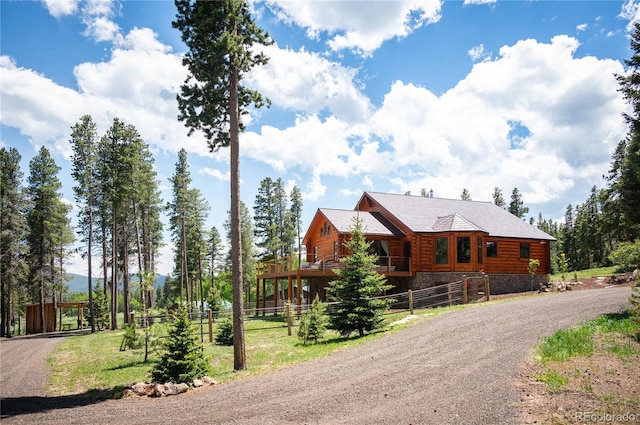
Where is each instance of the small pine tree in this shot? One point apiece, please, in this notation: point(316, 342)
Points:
point(313, 322)
point(183, 359)
point(357, 287)
point(224, 334)
point(100, 308)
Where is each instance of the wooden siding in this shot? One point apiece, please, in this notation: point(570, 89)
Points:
point(323, 240)
point(509, 261)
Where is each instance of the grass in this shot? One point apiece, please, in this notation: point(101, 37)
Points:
point(616, 331)
point(93, 364)
point(581, 274)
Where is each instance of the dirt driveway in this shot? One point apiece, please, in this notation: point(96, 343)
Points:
point(459, 368)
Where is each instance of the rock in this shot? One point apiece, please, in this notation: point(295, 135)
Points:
point(170, 389)
point(143, 389)
point(197, 383)
point(182, 388)
point(128, 393)
point(206, 380)
point(160, 390)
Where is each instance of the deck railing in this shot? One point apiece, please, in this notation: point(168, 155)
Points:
point(290, 263)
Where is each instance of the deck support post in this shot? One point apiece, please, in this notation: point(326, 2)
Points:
point(264, 296)
point(257, 294)
point(299, 294)
point(275, 296)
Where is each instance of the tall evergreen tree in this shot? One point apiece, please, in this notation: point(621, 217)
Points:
point(465, 196)
point(46, 221)
point(357, 288)
point(12, 233)
point(84, 142)
point(248, 251)
point(516, 207)
point(629, 183)
point(498, 199)
point(266, 210)
point(221, 38)
point(295, 219)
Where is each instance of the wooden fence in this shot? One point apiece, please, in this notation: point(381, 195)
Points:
point(460, 292)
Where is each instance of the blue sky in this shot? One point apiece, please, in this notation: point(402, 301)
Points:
point(388, 96)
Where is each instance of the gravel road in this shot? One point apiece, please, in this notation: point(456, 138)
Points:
point(458, 368)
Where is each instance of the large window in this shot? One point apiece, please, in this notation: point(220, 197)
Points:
point(442, 250)
point(479, 248)
point(525, 250)
point(463, 246)
point(492, 249)
point(335, 251)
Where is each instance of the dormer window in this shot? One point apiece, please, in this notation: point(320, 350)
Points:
point(325, 230)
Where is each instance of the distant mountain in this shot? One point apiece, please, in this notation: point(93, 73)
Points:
point(78, 283)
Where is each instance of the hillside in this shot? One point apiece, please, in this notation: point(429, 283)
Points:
point(78, 283)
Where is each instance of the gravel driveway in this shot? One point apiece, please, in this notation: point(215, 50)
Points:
point(459, 368)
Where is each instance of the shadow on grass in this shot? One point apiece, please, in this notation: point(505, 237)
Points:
point(15, 406)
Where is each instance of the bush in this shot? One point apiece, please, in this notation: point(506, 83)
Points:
point(131, 339)
point(313, 322)
point(224, 334)
point(183, 359)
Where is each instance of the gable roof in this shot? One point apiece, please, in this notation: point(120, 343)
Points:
point(372, 223)
point(427, 215)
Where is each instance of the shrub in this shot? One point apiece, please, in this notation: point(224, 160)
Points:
point(224, 334)
point(183, 359)
point(313, 322)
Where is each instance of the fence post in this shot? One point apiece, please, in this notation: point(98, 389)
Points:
point(410, 301)
point(449, 294)
point(210, 325)
point(289, 318)
point(487, 288)
point(465, 290)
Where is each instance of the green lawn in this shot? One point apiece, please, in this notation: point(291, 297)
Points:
point(94, 364)
point(601, 271)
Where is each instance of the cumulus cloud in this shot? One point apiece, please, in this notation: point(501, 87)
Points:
point(59, 8)
point(568, 106)
point(352, 26)
point(307, 82)
point(215, 173)
point(582, 27)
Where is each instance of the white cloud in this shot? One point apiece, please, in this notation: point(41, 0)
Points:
point(59, 8)
point(304, 81)
point(467, 2)
point(582, 27)
point(478, 52)
point(353, 26)
point(569, 106)
point(631, 12)
point(215, 173)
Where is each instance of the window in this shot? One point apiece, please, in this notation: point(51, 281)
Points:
point(479, 248)
point(442, 250)
point(315, 254)
point(335, 251)
point(525, 250)
point(492, 249)
point(464, 249)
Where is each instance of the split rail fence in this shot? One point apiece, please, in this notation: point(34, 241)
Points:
point(468, 290)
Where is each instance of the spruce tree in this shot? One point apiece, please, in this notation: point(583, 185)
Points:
point(313, 322)
point(516, 207)
point(357, 288)
point(183, 358)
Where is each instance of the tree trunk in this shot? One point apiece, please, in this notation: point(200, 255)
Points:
point(126, 290)
point(239, 355)
point(114, 273)
point(92, 317)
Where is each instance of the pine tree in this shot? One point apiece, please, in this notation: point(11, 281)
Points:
point(357, 287)
point(313, 322)
point(497, 197)
point(516, 207)
point(465, 196)
point(46, 222)
point(183, 358)
point(629, 181)
point(12, 234)
point(84, 141)
point(221, 36)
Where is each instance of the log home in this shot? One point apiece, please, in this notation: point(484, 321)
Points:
point(425, 241)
